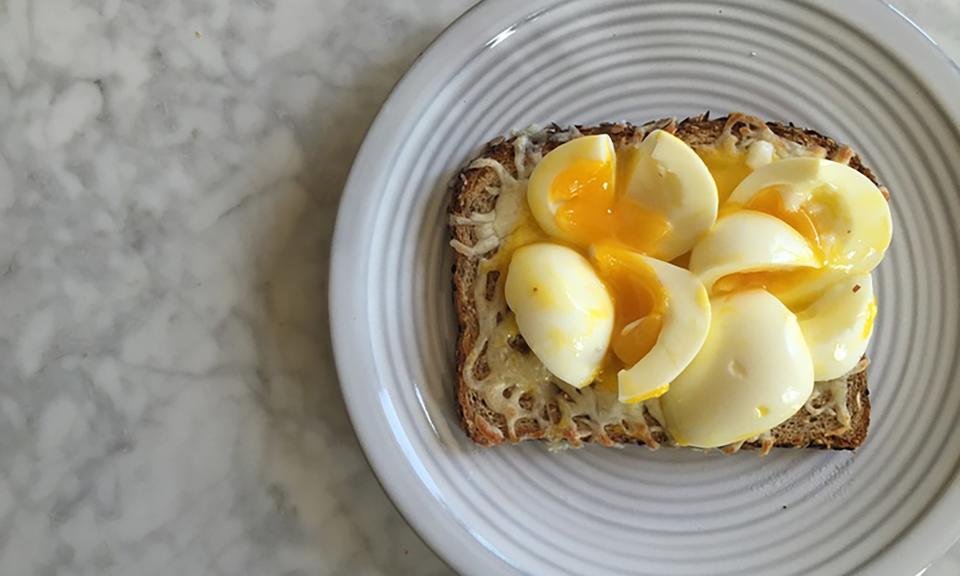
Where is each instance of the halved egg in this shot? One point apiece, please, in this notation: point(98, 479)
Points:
point(572, 178)
point(573, 196)
point(662, 314)
point(562, 309)
point(753, 373)
point(838, 325)
point(665, 175)
point(839, 210)
point(748, 242)
point(657, 198)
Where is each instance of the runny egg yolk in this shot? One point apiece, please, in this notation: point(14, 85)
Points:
point(640, 303)
point(727, 169)
point(773, 281)
point(592, 210)
point(770, 201)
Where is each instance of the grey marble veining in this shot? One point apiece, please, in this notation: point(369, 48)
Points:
point(169, 175)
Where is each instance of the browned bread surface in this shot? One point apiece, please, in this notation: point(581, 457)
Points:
point(470, 195)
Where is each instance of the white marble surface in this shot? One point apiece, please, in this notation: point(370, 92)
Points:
point(169, 174)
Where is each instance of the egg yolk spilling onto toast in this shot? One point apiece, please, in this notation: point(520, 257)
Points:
point(640, 303)
point(591, 209)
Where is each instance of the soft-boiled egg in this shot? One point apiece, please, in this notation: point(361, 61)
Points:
point(657, 198)
point(562, 309)
point(573, 196)
point(665, 175)
point(838, 325)
point(841, 212)
point(747, 242)
point(662, 314)
point(577, 176)
point(753, 373)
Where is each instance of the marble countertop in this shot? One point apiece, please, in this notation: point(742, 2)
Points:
point(169, 175)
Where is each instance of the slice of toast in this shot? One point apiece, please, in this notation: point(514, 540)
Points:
point(506, 395)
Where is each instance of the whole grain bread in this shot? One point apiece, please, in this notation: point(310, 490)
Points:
point(472, 193)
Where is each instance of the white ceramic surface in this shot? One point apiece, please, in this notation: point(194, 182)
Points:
point(855, 70)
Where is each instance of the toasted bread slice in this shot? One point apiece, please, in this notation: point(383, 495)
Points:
point(504, 393)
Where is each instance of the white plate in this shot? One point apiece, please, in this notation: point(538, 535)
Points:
point(856, 70)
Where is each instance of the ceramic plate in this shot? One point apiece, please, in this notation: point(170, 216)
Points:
point(856, 70)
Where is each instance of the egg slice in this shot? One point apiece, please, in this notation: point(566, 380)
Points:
point(661, 320)
point(574, 196)
point(746, 241)
point(838, 325)
point(562, 309)
point(573, 177)
point(666, 176)
point(841, 211)
point(797, 288)
point(753, 373)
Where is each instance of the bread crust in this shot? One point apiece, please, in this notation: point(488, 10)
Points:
point(469, 196)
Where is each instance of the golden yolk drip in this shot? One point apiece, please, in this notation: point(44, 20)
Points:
point(592, 211)
point(640, 303)
point(637, 338)
point(773, 281)
point(728, 170)
point(770, 201)
point(608, 379)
